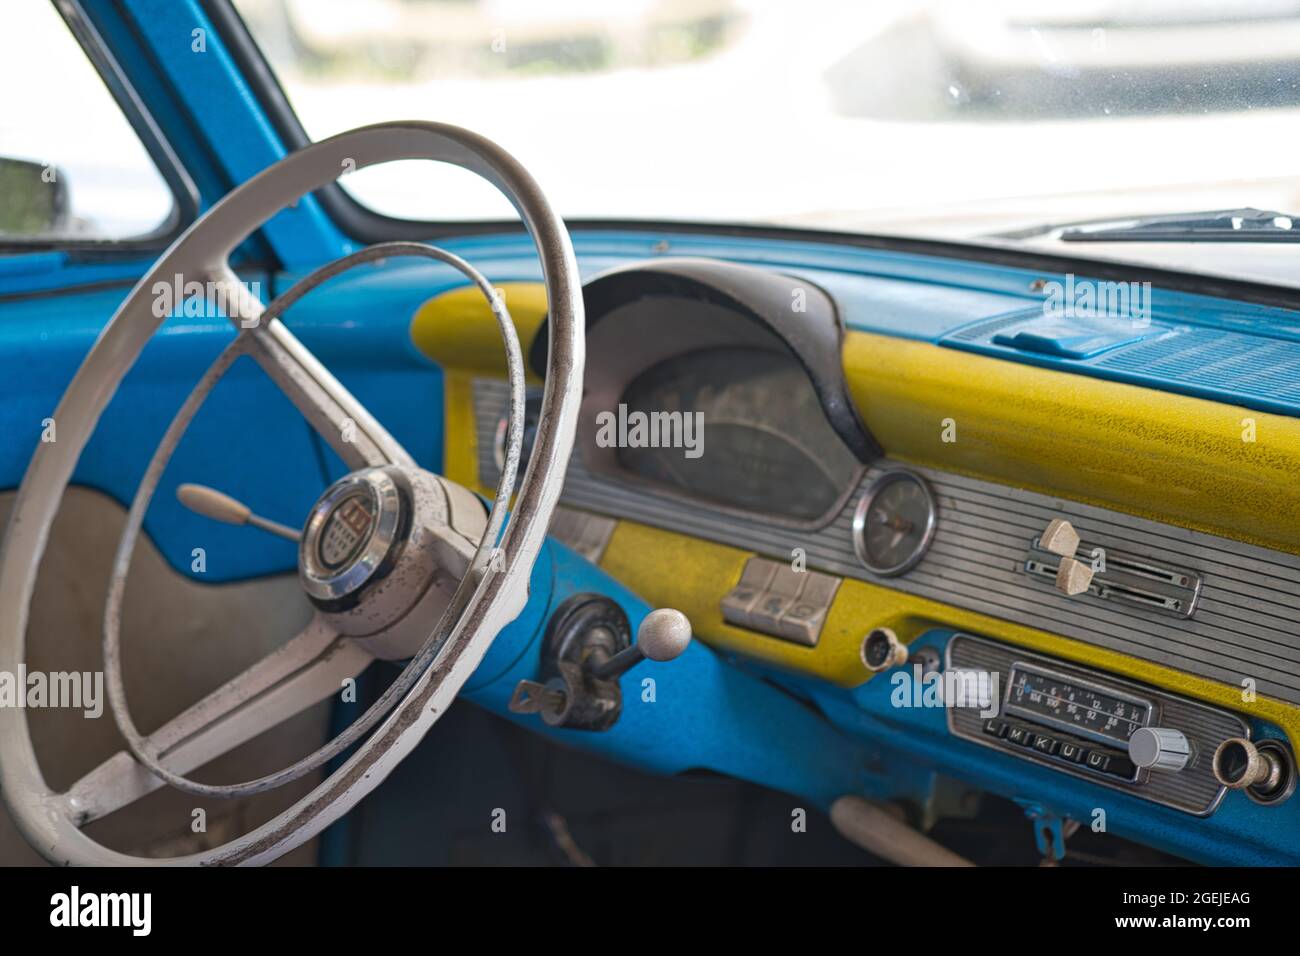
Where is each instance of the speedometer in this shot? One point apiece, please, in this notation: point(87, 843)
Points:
point(756, 437)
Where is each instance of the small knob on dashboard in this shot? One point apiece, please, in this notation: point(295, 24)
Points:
point(1059, 537)
point(1239, 764)
point(664, 634)
point(1073, 576)
point(1159, 748)
point(881, 650)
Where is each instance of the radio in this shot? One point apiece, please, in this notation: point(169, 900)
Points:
point(1152, 744)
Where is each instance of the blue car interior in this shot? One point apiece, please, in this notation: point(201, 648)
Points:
point(1128, 433)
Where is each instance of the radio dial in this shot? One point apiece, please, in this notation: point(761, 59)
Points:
point(1159, 748)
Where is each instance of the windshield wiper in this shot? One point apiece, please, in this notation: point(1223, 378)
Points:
point(1220, 225)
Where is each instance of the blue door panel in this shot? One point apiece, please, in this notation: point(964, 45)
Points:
point(248, 440)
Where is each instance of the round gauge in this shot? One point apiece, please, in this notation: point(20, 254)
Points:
point(893, 523)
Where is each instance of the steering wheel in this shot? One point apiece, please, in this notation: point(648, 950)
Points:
point(399, 563)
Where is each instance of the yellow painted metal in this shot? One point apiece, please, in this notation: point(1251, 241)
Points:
point(1219, 468)
point(667, 568)
point(457, 329)
point(460, 438)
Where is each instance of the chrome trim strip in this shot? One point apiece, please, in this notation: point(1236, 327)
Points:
point(1245, 622)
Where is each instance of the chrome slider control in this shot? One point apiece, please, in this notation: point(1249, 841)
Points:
point(1072, 576)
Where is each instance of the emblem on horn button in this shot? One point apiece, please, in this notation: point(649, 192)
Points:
point(351, 534)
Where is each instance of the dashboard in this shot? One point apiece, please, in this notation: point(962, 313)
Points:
point(802, 540)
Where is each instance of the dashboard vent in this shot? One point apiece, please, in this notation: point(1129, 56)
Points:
point(1237, 366)
point(1240, 368)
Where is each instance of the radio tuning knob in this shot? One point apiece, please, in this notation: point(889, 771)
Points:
point(1159, 748)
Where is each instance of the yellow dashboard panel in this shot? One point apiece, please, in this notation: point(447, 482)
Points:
point(668, 568)
point(458, 330)
point(1204, 465)
point(1217, 468)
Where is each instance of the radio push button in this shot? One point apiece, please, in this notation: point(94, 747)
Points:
point(1072, 752)
point(1046, 745)
point(994, 727)
point(1098, 761)
point(1020, 735)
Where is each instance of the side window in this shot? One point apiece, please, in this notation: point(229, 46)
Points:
point(71, 166)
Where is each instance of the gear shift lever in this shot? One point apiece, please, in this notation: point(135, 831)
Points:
point(586, 651)
point(663, 635)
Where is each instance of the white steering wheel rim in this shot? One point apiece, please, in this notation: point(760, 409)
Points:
point(203, 251)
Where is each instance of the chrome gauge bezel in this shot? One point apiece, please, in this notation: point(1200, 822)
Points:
point(881, 482)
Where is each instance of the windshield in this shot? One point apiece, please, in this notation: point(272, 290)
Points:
point(961, 119)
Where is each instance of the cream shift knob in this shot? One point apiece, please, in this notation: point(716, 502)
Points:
point(663, 634)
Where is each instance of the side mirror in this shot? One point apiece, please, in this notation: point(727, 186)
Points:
point(33, 199)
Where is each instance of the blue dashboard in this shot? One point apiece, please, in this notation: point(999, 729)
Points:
point(727, 714)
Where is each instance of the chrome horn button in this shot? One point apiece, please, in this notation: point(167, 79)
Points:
point(352, 536)
point(383, 552)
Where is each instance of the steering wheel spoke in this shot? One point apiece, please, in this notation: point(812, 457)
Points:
point(306, 670)
point(331, 409)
